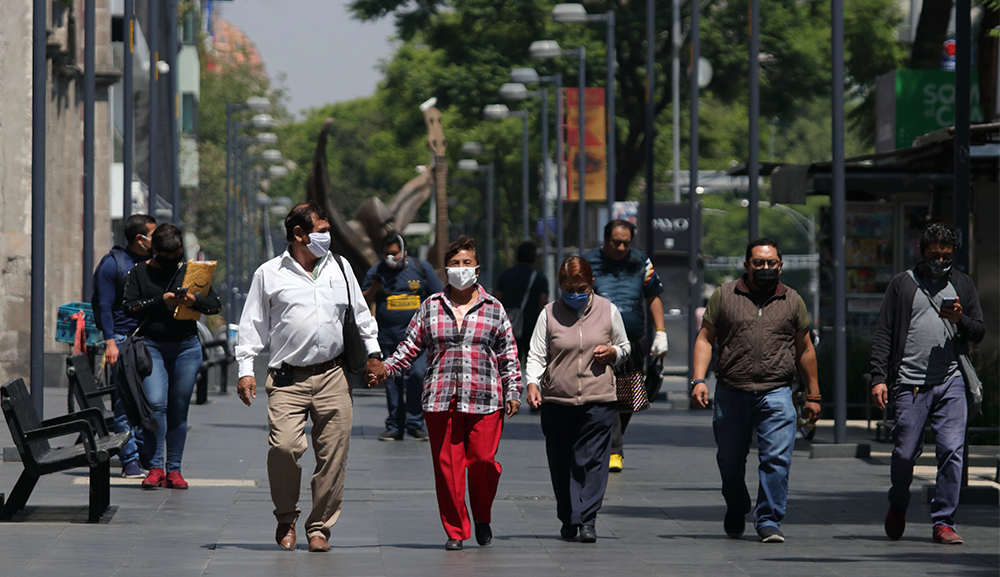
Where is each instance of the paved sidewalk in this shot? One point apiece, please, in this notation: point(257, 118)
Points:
point(662, 514)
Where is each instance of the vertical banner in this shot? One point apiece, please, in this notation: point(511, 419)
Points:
point(596, 183)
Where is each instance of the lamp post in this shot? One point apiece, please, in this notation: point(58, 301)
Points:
point(551, 49)
point(498, 111)
point(128, 111)
point(89, 80)
point(527, 76)
point(575, 13)
point(472, 165)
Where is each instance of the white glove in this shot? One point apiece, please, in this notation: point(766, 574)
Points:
point(659, 344)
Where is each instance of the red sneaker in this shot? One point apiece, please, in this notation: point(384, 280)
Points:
point(946, 535)
point(154, 479)
point(175, 481)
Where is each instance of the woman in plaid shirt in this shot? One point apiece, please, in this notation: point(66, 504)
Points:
point(472, 375)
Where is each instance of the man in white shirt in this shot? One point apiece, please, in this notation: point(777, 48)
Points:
point(297, 303)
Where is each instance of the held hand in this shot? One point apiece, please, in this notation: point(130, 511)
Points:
point(880, 395)
point(111, 352)
point(604, 354)
point(376, 373)
point(512, 408)
point(659, 347)
point(699, 396)
point(953, 314)
point(534, 397)
point(170, 299)
point(188, 299)
point(247, 390)
point(810, 411)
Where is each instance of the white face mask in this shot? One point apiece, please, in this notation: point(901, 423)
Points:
point(462, 277)
point(319, 243)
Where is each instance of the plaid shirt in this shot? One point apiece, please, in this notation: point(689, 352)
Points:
point(475, 364)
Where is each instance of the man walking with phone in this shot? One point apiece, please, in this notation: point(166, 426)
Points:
point(929, 315)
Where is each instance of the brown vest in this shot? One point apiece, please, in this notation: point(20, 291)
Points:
point(756, 344)
point(572, 377)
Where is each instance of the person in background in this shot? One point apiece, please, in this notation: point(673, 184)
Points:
point(398, 285)
point(929, 315)
point(523, 291)
point(473, 376)
point(577, 341)
point(626, 277)
point(152, 294)
point(109, 291)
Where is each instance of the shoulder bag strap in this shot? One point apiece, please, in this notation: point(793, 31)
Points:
point(527, 290)
point(346, 280)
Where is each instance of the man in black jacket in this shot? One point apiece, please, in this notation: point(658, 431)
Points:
point(915, 354)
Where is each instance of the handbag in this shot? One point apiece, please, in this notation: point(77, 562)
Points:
point(355, 353)
point(516, 315)
point(630, 388)
point(973, 385)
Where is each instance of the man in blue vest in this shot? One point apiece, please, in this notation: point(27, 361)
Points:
point(109, 283)
point(397, 285)
point(626, 277)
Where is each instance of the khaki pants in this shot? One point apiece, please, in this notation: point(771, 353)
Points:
point(326, 399)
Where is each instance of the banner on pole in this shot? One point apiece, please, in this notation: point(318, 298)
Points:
point(595, 183)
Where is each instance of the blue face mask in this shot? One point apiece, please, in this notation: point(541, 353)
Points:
point(576, 300)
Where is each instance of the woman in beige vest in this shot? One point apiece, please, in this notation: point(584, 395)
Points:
point(577, 341)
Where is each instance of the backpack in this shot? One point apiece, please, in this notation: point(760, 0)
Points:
point(118, 253)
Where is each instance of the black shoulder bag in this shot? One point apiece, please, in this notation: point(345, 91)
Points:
point(355, 354)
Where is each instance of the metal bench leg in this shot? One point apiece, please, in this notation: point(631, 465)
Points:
point(19, 496)
point(100, 491)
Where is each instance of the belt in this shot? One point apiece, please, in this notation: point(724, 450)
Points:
point(316, 369)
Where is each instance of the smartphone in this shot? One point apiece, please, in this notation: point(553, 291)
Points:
point(183, 291)
point(948, 303)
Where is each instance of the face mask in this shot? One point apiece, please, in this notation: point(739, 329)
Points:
point(319, 243)
point(934, 268)
point(576, 300)
point(168, 263)
point(396, 263)
point(766, 278)
point(461, 277)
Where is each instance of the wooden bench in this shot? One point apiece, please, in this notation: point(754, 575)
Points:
point(84, 388)
point(94, 449)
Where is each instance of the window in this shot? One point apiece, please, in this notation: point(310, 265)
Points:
point(189, 113)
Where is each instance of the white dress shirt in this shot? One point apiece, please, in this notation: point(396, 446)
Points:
point(301, 314)
point(538, 351)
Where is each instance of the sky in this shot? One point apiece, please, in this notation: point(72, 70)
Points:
point(326, 55)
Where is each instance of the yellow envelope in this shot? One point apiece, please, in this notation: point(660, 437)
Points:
point(198, 280)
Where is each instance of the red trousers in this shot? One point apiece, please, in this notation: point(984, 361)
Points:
point(461, 441)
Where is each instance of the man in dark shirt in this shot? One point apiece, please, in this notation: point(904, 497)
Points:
point(521, 288)
point(109, 284)
point(397, 285)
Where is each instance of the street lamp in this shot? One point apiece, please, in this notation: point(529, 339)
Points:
point(551, 49)
point(528, 76)
point(517, 91)
point(267, 138)
point(498, 111)
point(577, 13)
point(472, 165)
point(262, 121)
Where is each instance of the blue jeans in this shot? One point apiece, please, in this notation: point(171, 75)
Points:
point(130, 452)
point(169, 388)
point(402, 396)
point(948, 409)
point(737, 415)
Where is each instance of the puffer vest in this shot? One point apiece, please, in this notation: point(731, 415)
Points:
point(572, 377)
point(756, 344)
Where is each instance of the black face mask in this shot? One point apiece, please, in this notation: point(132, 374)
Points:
point(766, 278)
point(167, 263)
point(934, 268)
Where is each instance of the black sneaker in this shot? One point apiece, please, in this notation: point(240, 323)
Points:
point(735, 524)
point(484, 535)
point(770, 534)
point(588, 534)
point(420, 434)
point(390, 436)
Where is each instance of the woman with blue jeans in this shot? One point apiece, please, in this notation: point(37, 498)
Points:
point(152, 294)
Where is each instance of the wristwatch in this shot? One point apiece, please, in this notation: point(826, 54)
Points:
point(696, 381)
point(375, 356)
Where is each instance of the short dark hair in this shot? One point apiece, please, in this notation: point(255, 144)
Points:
point(167, 238)
point(762, 241)
point(393, 238)
point(302, 215)
point(137, 224)
point(576, 268)
point(618, 223)
point(526, 252)
point(938, 232)
point(464, 242)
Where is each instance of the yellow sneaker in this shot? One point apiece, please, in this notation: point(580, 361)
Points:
point(616, 463)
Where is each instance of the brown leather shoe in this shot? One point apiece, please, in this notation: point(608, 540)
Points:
point(318, 544)
point(284, 535)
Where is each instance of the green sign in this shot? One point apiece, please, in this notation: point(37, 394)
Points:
point(925, 102)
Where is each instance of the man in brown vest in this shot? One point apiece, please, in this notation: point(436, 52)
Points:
point(761, 328)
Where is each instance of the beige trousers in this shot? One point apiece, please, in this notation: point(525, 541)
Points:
point(326, 399)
